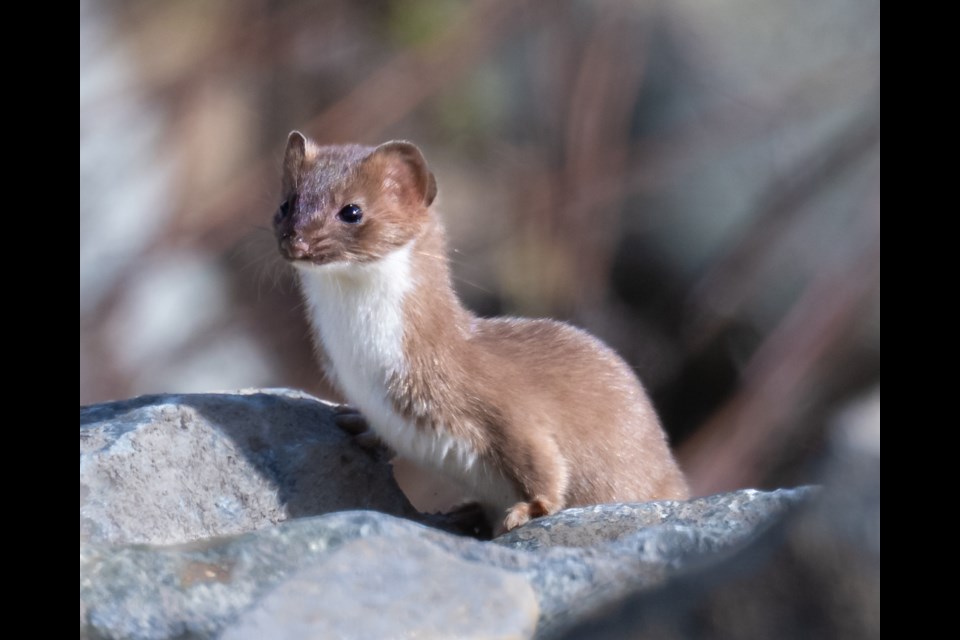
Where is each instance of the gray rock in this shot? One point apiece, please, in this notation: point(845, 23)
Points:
point(394, 588)
point(729, 516)
point(188, 468)
point(196, 590)
point(176, 468)
point(578, 576)
point(199, 590)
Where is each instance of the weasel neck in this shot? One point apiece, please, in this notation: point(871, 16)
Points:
point(375, 321)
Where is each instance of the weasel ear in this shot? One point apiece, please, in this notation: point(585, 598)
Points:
point(297, 149)
point(406, 168)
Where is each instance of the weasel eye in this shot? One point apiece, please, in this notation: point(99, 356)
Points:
point(351, 214)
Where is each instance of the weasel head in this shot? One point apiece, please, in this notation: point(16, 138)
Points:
point(350, 204)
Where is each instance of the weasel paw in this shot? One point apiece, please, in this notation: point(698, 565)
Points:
point(349, 419)
point(368, 440)
point(352, 421)
point(522, 513)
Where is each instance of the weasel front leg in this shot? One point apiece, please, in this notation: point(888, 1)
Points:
point(542, 476)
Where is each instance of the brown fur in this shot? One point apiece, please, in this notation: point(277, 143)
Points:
point(548, 406)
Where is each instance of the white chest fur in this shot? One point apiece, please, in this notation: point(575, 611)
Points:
point(357, 315)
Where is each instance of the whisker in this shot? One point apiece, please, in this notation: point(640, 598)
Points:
point(456, 277)
point(473, 284)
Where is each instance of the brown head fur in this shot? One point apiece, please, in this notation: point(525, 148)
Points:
point(389, 184)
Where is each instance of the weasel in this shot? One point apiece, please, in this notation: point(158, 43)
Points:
point(531, 416)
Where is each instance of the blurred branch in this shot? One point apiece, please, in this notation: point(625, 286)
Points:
point(250, 44)
point(374, 104)
point(595, 90)
point(394, 90)
point(733, 277)
point(658, 160)
point(604, 97)
point(735, 446)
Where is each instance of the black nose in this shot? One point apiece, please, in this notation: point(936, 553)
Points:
point(293, 247)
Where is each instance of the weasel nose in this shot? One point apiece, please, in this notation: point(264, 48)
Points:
point(294, 247)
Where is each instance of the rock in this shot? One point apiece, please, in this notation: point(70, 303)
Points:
point(197, 590)
point(186, 469)
point(646, 545)
point(200, 590)
point(728, 517)
point(395, 587)
point(177, 468)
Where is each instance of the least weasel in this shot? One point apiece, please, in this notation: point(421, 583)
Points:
point(531, 416)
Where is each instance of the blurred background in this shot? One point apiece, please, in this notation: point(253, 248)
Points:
point(698, 183)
